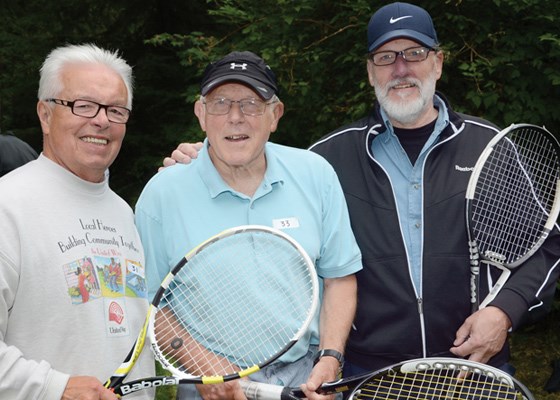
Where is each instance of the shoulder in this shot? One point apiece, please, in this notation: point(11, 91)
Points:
point(22, 180)
point(479, 124)
point(13, 143)
point(293, 154)
point(470, 123)
point(469, 131)
point(14, 153)
point(477, 132)
point(121, 204)
point(299, 162)
point(170, 176)
point(166, 181)
point(353, 131)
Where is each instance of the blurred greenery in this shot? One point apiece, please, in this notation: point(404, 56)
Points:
point(164, 392)
point(501, 63)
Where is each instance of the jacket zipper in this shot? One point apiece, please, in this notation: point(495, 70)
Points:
point(422, 325)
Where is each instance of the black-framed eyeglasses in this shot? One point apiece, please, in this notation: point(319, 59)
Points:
point(90, 109)
point(412, 54)
point(222, 106)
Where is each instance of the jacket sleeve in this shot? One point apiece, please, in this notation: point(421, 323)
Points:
point(527, 295)
point(21, 378)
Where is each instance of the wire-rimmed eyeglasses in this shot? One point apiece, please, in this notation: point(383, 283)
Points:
point(90, 109)
point(222, 106)
point(412, 54)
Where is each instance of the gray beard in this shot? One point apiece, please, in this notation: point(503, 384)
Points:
point(406, 111)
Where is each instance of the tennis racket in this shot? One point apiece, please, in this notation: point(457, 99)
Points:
point(231, 306)
point(424, 378)
point(512, 202)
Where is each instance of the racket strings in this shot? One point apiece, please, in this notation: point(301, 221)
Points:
point(235, 304)
point(540, 156)
point(514, 195)
point(435, 384)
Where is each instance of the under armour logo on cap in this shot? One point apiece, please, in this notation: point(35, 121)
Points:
point(243, 67)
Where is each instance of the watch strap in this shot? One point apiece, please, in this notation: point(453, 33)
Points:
point(329, 353)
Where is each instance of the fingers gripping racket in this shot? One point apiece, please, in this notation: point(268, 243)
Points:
point(231, 306)
point(512, 202)
point(425, 378)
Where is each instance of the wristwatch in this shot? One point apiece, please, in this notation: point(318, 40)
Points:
point(329, 353)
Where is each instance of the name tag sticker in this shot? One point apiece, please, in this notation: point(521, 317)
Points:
point(285, 223)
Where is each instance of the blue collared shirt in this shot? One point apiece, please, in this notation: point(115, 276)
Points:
point(407, 181)
point(184, 205)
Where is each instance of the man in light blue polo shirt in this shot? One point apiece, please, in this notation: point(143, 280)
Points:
point(240, 178)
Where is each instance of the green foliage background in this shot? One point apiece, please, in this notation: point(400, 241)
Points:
point(502, 63)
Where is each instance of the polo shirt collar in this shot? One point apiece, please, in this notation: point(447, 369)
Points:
point(215, 183)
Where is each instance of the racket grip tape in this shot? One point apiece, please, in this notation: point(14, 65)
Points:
point(265, 391)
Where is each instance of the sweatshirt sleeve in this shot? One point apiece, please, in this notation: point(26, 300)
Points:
point(21, 378)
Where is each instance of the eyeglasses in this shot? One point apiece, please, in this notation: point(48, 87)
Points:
point(90, 109)
point(412, 54)
point(250, 107)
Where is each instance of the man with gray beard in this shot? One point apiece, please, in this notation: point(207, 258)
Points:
point(404, 170)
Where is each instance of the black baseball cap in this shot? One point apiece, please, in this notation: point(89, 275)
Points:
point(401, 20)
point(244, 67)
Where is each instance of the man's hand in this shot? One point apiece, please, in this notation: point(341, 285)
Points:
point(482, 335)
point(326, 370)
point(221, 391)
point(86, 388)
point(183, 154)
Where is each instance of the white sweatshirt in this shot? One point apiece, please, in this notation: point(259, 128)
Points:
point(72, 289)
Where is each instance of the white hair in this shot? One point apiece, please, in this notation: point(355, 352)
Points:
point(50, 83)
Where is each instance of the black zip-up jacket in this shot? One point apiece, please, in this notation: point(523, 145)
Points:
point(393, 322)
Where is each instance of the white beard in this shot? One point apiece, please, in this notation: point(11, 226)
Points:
point(406, 110)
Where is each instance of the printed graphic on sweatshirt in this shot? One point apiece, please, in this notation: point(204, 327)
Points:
point(116, 320)
point(110, 269)
point(82, 281)
point(100, 267)
point(135, 280)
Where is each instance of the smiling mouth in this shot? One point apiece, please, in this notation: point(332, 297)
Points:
point(237, 137)
point(95, 140)
point(405, 85)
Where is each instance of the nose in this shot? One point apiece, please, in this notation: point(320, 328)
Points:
point(235, 112)
point(400, 67)
point(101, 118)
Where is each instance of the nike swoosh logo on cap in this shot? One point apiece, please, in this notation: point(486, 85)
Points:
point(394, 20)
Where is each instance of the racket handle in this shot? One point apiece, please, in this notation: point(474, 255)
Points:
point(497, 287)
point(264, 391)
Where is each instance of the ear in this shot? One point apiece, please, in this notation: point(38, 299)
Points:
point(45, 114)
point(277, 113)
point(200, 112)
point(370, 72)
point(439, 63)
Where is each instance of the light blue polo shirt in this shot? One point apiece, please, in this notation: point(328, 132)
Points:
point(300, 194)
point(408, 185)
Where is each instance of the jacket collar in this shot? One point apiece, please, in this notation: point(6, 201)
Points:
point(376, 125)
